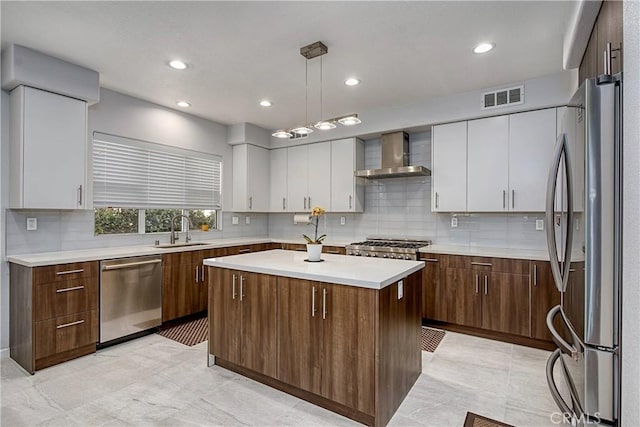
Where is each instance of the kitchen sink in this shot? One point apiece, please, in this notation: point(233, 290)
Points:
point(180, 244)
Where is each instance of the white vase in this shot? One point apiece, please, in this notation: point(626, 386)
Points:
point(314, 250)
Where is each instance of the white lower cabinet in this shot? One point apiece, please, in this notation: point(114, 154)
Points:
point(48, 150)
point(250, 178)
point(449, 168)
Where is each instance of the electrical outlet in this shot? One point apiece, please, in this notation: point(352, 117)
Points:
point(343, 220)
point(539, 224)
point(247, 220)
point(454, 222)
point(32, 224)
point(400, 289)
point(234, 220)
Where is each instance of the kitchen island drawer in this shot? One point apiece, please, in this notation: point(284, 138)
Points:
point(67, 297)
point(62, 272)
point(65, 333)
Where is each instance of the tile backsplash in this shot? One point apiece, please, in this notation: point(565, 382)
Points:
point(398, 207)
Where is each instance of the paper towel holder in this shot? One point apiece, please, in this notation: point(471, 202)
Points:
point(301, 218)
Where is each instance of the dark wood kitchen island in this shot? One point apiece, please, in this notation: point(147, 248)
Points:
point(343, 334)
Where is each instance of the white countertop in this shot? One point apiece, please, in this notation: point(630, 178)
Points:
point(344, 270)
point(80, 255)
point(532, 254)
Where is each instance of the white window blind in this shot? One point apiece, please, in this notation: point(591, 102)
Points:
point(128, 173)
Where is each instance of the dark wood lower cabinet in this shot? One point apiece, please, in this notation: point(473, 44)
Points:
point(464, 285)
point(505, 303)
point(544, 296)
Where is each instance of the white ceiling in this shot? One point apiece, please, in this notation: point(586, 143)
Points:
point(242, 52)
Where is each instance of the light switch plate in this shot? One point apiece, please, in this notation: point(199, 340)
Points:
point(343, 220)
point(400, 289)
point(454, 222)
point(539, 224)
point(32, 224)
point(247, 220)
point(234, 220)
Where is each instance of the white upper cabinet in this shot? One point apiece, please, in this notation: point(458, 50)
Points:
point(278, 193)
point(488, 164)
point(48, 150)
point(532, 137)
point(309, 177)
point(250, 178)
point(347, 192)
point(449, 167)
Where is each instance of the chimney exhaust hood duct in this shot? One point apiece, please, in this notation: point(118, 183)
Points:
point(395, 159)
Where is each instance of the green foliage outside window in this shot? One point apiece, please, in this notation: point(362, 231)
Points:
point(121, 220)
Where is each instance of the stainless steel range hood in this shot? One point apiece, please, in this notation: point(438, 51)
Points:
point(395, 159)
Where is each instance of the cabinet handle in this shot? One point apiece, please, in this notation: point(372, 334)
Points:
point(513, 199)
point(80, 195)
point(437, 200)
point(284, 205)
point(572, 270)
point(197, 279)
point(244, 251)
point(535, 275)
point(233, 289)
point(313, 301)
point(309, 199)
point(430, 259)
point(504, 199)
point(75, 288)
point(66, 325)
point(61, 273)
point(250, 203)
point(305, 203)
point(486, 285)
point(333, 252)
point(203, 273)
point(241, 287)
point(324, 303)
point(350, 199)
point(484, 264)
point(477, 285)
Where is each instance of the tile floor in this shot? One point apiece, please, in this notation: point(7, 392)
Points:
point(156, 381)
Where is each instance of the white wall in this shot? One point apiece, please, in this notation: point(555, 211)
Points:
point(547, 91)
point(4, 201)
point(631, 219)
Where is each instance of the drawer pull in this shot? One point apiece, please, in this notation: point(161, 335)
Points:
point(62, 273)
point(430, 259)
point(130, 265)
point(244, 251)
point(75, 288)
point(66, 325)
point(333, 252)
point(484, 264)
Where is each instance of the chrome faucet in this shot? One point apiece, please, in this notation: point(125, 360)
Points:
point(174, 234)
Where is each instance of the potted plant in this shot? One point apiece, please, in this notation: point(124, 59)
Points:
point(314, 246)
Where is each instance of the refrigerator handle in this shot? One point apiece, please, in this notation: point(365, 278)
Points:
point(563, 345)
point(560, 275)
point(567, 411)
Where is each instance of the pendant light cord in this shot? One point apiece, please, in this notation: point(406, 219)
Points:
point(321, 88)
point(306, 92)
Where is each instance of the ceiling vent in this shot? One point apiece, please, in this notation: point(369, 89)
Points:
point(502, 98)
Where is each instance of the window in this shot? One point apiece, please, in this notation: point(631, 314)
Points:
point(150, 184)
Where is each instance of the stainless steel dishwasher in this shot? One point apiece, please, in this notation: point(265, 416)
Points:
point(130, 296)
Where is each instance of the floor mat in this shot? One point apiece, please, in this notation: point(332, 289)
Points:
point(475, 420)
point(431, 338)
point(189, 333)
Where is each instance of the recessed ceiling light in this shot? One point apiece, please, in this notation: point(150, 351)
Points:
point(351, 81)
point(184, 104)
point(266, 103)
point(483, 47)
point(178, 65)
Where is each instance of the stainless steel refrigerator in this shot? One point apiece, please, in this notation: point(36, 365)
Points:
point(584, 236)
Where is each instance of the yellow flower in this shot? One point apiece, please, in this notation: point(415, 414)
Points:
point(317, 211)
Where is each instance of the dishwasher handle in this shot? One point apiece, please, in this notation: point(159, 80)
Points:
point(130, 265)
